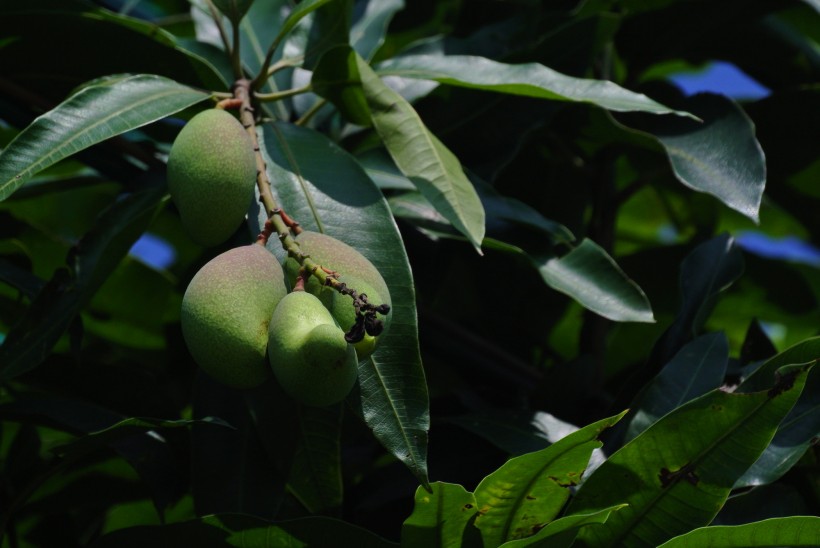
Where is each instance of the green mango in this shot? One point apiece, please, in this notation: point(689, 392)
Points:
point(355, 270)
point(225, 314)
point(212, 175)
point(308, 352)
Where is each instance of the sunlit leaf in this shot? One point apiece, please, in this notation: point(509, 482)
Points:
point(775, 532)
point(439, 516)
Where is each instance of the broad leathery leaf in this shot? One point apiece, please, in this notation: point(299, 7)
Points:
point(439, 516)
point(707, 271)
point(300, 11)
point(697, 368)
point(719, 156)
point(243, 531)
point(528, 79)
point(92, 115)
point(421, 157)
point(61, 299)
point(561, 533)
point(677, 474)
point(235, 10)
point(771, 533)
point(368, 32)
point(335, 196)
point(527, 492)
point(799, 429)
point(336, 78)
point(127, 428)
point(593, 278)
point(329, 28)
point(316, 474)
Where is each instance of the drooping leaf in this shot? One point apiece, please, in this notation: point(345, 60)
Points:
point(439, 516)
point(336, 78)
point(775, 532)
point(336, 197)
point(94, 114)
point(528, 79)
point(329, 28)
point(561, 533)
point(244, 531)
point(421, 157)
point(368, 32)
point(699, 367)
point(591, 277)
point(62, 298)
point(799, 429)
point(719, 156)
point(527, 492)
point(316, 476)
point(677, 474)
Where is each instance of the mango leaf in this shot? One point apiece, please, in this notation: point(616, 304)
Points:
point(330, 27)
point(719, 156)
point(421, 157)
point(299, 12)
point(527, 492)
point(235, 10)
point(336, 78)
point(561, 533)
point(677, 474)
point(775, 532)
point(527, 79)
point(61, 299)
point(591, 277)
point(93, 114)
point(439, 516)
point(799, 429)
point(244, 531)
point(316, 475)
point(368, 32)
point(336, 197)
point(699, 367)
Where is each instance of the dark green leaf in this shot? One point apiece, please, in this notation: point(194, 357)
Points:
point(677, 474)
point(719, 156)
point(697, 368)
point(336, 78)
point(94, 114)
point(336, 197)
point(424, 159)
point(298, 13)
point(439, 516)
point(235, 10)
point(316, 476)
point(775, 532)
point(368, 32)
point(95, 257)
point(799, 429)
point(528, 491)
point(244, 532)
point(330, 28)
point(562, 532)
point(528, 79)
point(25, 282)
point(591, 277)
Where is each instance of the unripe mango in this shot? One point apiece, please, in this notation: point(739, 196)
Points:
point(211, 175)
point(225, 314)
point(308, 352)
point(356, 271)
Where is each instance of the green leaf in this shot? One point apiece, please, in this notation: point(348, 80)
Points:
point(127, 428)
point(235, 10)
point(94, 114)
point(329, 28)
point(697, 368)
point(528, 491)
point(336, 78)
point(421, 157)
point(316, 476)
point(677, 474)
point(62, 298)
point(367, 34)
point(335, 196)
point(244, 531)
point(439, 516)
point(562, 532)
point(527, 79)
point(719, 156)
point(775, 532)
point(299, 12)
point(591, 277)
point(799, 429)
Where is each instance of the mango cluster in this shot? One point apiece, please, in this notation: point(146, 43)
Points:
point(239, 318)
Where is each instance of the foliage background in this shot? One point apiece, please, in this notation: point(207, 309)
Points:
point(92, 331)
